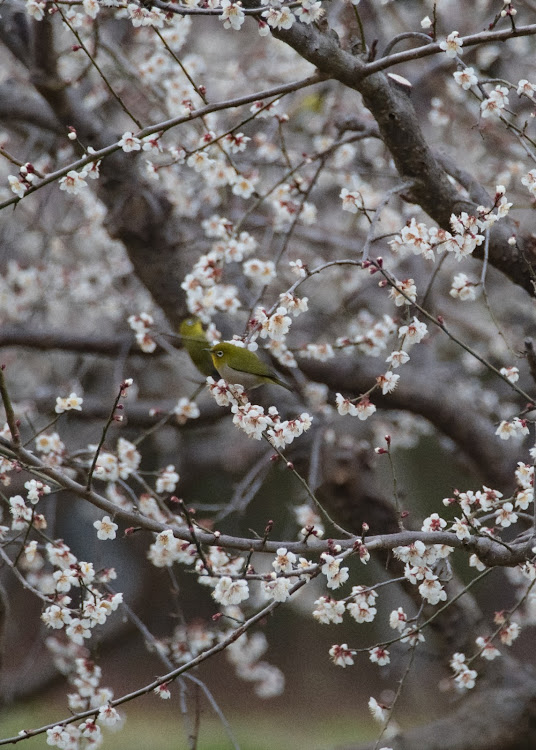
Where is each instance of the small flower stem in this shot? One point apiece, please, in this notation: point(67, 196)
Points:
point(102, 439)
point(309, 491)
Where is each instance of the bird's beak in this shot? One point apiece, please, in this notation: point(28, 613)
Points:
point(207, 350)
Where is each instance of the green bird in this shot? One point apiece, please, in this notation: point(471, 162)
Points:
point(196, 344)
point(236, 364)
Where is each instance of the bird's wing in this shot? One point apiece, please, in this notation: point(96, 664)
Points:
point(253, 365)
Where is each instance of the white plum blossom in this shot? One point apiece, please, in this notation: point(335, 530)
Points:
point(529, 181)
point(361, 610)
point(388, 382)
point(505, 516)
point(260, 271)
point(78, 630)
point(516, 428)
point(36, 490)
point(320, 352)
point(167, 480)
point(329, 610)
point(279, 18)
point(73, 182)
point(108, 715)
point(466, 679)
point(342, 655)
point(243, 187)
point(185, 410)
point(526, 88)
point(496, 101)
point(228, 591)
point(91, 7)
point(299, 269)
point(284, 561)
point(36, 9)
point(331, 568)
point(461, 528)
point(310, 11)
point(352, 200)
point(434, 523)
point(277, 325)
point(404, 293)
point(276, 588)
point(56, 617)
point(509, 633)
point(466, 78)
point(380, 656)
point(71, 402)
point(463, 288)
point(58, 736)
point(452, 45)
point(510, 373)
point(488, 650)
point(233, 15)
point(17, 185)
point(431, 589)
point(378, 711)
point(345, 406)
point(397, 358)
point(474, 562)
point(414, 332)
point(106, 528)
point(398, 619)
point(293, 304)
point(129, 142)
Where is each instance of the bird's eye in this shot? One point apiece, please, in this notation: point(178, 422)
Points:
point(219, 353)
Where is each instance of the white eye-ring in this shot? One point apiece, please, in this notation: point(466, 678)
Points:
point(219, 353)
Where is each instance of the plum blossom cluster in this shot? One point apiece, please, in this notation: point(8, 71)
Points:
point(219, 564)
point(254, 420)
point(367, 335)
point(463, 288)
point(495, 102)
point(489, 501)
point(467, 232)
point(363, 408)
point(419, 560)
point(141, 325)
point(205, 292)
point(85, 676)
point(20, 183)
point(111, 467)
point(51, 448)
point(167, 550)
point(288, 204)
point(93, 608)
point(361, 605)
point(529, 181)
point(516, 428)
point(141, 16)
point(245, 655)
point(465, 678)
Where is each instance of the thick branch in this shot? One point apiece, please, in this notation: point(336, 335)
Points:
point(487, 549)
point(495, 719)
